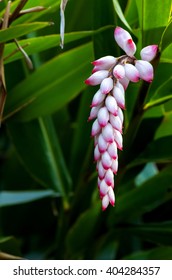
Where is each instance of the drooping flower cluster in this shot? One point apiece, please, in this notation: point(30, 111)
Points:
point(113, 75)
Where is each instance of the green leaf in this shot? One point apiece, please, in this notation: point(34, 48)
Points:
point(153, 20)
point(120, 13)
point(166, 37)
point(158, 151)
point(166, 56)
point(162, 94)
point(159, 233)
point(43, 93)
point(19, 30)
point(160, 253)
point(9, 198)
point(37, 146)
point(50, 6)
point(38, 44)
point(151, 17)
point(140, 200)
point(80, 148)
point(165, 129)
point(85, 225)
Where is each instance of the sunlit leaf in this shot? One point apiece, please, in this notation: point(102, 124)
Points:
point(8, 198)
point(162, 94)
point(20, 30)
point(120, 13)
point(39, 44)
point(41, 87)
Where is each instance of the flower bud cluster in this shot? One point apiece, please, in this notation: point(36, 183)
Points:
point(113, 75)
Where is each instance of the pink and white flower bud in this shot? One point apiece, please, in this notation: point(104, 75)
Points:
point(108, 133)
point(111, 105)
point(97, 77)
point(120, 115)
point(111, 196)
point(103, 188)
point(98, 98)
point(116, 122)
point(112, 150)
point(132, 73)
point(114, 166)
point(102, 144)
point(119, 97)
point(93, 113)
point(148, 53)
point(118, 139)
point(97, 68)
point(105, 202)
point(121, 36)
point(105, 62)
point(103, 116)
point(106, 85)
point(106, 160)
point(145, 70)
point(97, 154)
point(130, 47)
point(96, 128)
point(120, 86)
point(125, 82)
point(119, 71)
point(124, 40)
point(101, 171)
point(109, 177)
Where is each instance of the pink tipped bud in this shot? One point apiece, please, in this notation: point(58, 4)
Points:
point(106, 85)
point(124, 82)
point(120, 115)
point(111, 196)
point(97, 77)
point(96, 128)
point(108, 133)
point(114, 166)
point(119, 71)
point(103, 116)
point(97, 154)
point(120, 86)
point(103, 188)
point(96, 68)
point(112, 150)
point(132, 73)
point(124, 40)
point(106, 160)
point(93, 113)
point(148, 53)
point(118, 139)
point(109, 177)
point(98, 98)
point(101, 171)
point(111, 105)
point(102, 144)
point(116, 122)
point(130, 47)
point(121, 36)
point(105, 202)
point(145, 70)
point(105, 62)
point(119, 97)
